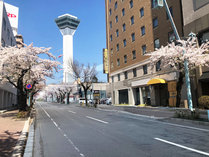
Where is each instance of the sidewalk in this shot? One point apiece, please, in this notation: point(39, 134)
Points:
point(10, 131)
point(158, 112)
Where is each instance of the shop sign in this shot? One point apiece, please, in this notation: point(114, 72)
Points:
point(105, 61)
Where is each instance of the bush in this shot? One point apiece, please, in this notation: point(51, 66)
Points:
point(203, 102)
point(187, 114)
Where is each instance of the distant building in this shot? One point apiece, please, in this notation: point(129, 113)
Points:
point(19, 40)
point(8, 93)
point(196, 20)
point(132, 29)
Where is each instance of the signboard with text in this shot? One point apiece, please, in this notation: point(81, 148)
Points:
point(12, 13)
point(105, 61)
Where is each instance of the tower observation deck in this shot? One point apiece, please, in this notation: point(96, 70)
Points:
point(67, 25)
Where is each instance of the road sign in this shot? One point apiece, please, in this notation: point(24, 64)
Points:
point(28, 86)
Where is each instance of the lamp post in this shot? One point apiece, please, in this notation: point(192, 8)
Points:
point(160, 3)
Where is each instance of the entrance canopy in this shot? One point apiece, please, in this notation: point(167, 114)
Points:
point(156, 81)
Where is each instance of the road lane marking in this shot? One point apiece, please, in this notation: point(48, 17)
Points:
point(71, 111)
point(184, 147)
point(182, 126)
point(62, 132)
point(97, 120)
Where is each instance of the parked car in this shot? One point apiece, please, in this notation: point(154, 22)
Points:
point(83, 101)
point(109, 101)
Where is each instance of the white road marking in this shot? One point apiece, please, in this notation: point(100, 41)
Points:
point(184, 147)
point(68, 139)
point(182, 126)
point(97, 120)
point(71, 111)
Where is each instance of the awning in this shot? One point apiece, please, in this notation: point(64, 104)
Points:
point(155, 81)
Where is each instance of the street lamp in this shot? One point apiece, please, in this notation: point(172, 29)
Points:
point(160, 3)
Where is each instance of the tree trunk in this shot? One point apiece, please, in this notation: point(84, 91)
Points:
point(85, 93)
point(22, 101)
point(178, 88)
point(21, 96)
point(68, 101)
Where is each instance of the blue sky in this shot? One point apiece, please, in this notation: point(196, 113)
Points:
point(36, 24)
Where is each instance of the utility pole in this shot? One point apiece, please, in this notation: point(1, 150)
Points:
point(160, 3)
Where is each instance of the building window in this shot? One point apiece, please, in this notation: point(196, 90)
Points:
point(116, 18)
point(158, 66)
point(142, 30)
point(155, 22)
point(141, 12)
point(145, 69)
point(144, 49)
point(125, 58)
point(112, 78)
point(124, 27)
point(171, 36)
point(116, 5)
point(134, 54)
point(126, 75)
point(117, 33)
point(117, 47)
point(154, 3)
point(132, 20)
point(110, 11)
point(133, 37)
point(123, 12)
point(110, 24)
point(111, 37)
point(124, 42)
point(157, 43)
point(118, 62)
point(118, 77)
point(171, 11)
point(134, 72)
point(131, 4)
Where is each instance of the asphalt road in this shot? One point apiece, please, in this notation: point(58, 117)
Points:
point(73, 131)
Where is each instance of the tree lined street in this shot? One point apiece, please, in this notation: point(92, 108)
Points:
point(63, 130)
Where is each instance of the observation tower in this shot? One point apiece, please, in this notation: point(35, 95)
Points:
point(67, 25)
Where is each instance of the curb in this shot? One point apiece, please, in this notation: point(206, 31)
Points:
point(29, 145)
point(190, 121)
point(19, 148)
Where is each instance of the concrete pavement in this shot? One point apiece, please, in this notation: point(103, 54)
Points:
point(68, 130)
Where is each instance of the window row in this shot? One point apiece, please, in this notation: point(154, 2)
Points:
point(154, 21)
point(132, 35)
point(134, 73)
point(131, 4)
point(144, 47)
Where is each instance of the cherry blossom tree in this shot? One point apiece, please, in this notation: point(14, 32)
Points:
point(85, 76)
point(172, 56)
point(20, 66)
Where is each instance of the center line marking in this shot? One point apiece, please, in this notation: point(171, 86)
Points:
point(97, 120)
point(71, 111)
point(184, 147)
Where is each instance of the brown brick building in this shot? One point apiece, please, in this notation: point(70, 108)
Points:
point(134, 27)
